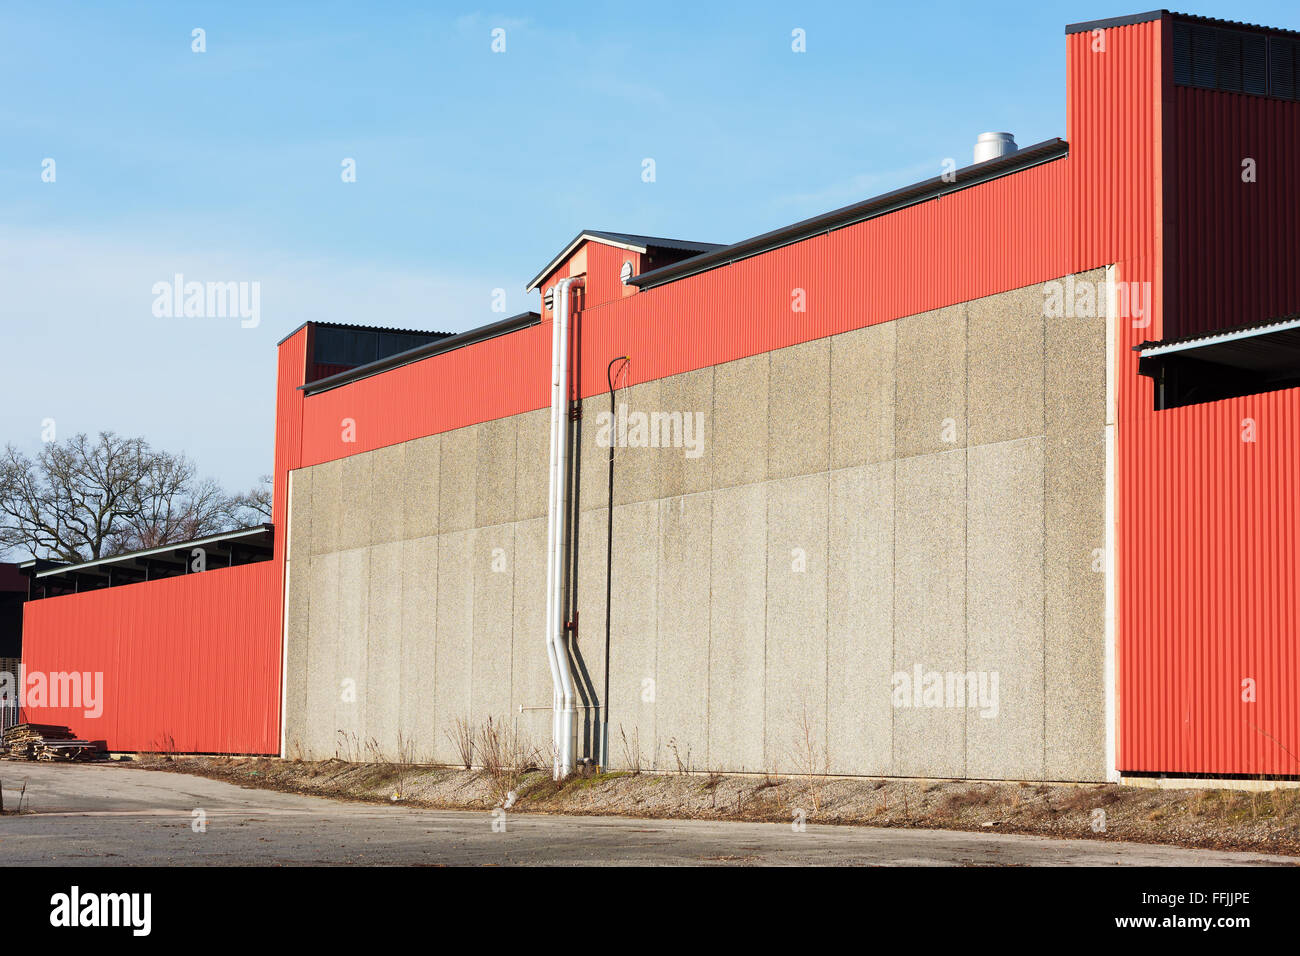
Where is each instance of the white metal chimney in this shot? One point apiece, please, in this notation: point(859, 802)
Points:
point(992, 145)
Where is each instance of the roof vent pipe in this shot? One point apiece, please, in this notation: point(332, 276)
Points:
point(992, 145)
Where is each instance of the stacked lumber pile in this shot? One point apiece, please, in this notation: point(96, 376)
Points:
point(46, 742)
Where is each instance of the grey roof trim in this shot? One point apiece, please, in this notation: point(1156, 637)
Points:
point(620, 240)
point(260, 529)
point(471, 337)
point(973, 175)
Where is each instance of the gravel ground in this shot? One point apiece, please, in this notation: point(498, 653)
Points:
point(1262, 822)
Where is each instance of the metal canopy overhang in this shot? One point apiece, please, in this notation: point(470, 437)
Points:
point(1209, 367)
point(1271, 350)
point(248, 544)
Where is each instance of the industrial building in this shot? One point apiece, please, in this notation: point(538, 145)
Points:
point(992, 476)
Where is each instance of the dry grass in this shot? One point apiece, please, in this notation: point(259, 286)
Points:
point(461, 735)
point(506, 756)
point(683, 766)
point(811, 760)
point(632, 756)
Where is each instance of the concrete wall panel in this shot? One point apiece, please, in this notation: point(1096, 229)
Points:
point(455, 636)
point(382, 708)
point(636, 464)
point(530, 673)
point(1005, 366)
point(930, 389)
point(740, 422)
point(691, 470)
point(1004, 602)
point(300, 512)
point(358, 502)
point(796, 665)
point(798, 412)
point(317, 735)
point(351, 651)
point(420, 487)
point(494, 562)
point(634, 621)
point(494, 489)
point(930, 607)
point(738, 622)
point(860, 616)
point(297, 575)
point(326, 507)
point(532, 463)
point(862, 395)
point(457, 479)
point(419, 574)
point(388, 494)
point(682, 655)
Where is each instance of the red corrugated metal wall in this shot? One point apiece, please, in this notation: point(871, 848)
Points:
point(190, 663)
point(1208, 526)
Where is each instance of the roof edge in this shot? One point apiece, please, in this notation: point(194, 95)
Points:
point(1087, 26)
point(265, 527)
point(964, 178)
point(1091, 25)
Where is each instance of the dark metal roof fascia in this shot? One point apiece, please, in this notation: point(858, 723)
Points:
point(471, 337)
point(357, 328)
point(1091, 25)
point(969, 176)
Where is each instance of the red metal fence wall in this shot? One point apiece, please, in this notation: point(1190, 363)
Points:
point(190, 663)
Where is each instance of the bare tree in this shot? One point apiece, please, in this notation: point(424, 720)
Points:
point(86, 498)
point(253, 506)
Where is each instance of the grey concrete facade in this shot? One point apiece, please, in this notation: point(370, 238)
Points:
point(916, 505)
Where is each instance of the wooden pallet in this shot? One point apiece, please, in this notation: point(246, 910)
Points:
point(46, 742)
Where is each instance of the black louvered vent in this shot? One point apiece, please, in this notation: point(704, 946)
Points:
point(1282, 62)
point(1235, 61)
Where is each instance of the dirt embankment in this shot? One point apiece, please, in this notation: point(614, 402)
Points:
point(1213, 819)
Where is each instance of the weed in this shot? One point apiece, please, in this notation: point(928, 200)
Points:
point(461, 735)
point(631, 750)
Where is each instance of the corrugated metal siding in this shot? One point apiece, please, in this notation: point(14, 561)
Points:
point(1208, 530)
point(1212, 541)
point(190, 663)
point(291, 370)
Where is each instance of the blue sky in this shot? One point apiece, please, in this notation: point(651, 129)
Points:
point(473, 167)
